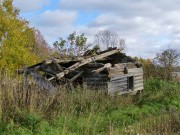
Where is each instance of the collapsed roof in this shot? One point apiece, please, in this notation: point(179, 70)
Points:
point(50, 73)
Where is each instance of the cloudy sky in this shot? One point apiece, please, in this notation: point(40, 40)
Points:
point(147, 25)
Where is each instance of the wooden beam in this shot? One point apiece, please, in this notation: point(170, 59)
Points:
point(84, 62)
point(108, 65)
point(76, 76)
point(57, 65)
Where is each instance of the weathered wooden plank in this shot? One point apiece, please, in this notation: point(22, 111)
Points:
point(114, 74)
point(138, 74)
point(96, 79)
point(84, 62)
point(138, 88)
point(118, 81)
point(57, 65)
point(117, 89)
point(127, 65)
point(138, 78)
point(119, 77)
point(138, 81)
point(115, 71)
point(76, 76)
point(108, 65)
point(40, 81)
point(138, 85)
point(135, 70)
point(64, 60)
point(114, 87)
point(94, 65)
point(94, 75)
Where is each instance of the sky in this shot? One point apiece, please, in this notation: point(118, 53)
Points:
point(148, 26)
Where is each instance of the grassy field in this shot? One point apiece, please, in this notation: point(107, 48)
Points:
point(88, 112)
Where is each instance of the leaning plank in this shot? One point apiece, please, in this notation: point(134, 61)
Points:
point(76, 76)
point(57, 65)
point(40, 81)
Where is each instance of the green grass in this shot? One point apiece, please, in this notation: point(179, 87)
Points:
point(90, 112)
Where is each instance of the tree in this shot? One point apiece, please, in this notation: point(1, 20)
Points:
point(148, 67)
point(42, 50)
point(165, 61)
point(74, 45)
point(18, 41)
point(108, 38)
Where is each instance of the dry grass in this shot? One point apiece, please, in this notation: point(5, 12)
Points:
point(82, 111)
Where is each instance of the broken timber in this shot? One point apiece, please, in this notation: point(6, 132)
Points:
point(84, 62)
point(109, 70)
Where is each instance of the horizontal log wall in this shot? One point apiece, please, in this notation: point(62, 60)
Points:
point(131, 82)
point(138, 78)
point(118, 84)
point(95, 80)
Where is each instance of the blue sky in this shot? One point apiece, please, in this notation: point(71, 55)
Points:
point(147, 25)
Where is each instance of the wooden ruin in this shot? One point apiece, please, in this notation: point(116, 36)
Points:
point(109, 70)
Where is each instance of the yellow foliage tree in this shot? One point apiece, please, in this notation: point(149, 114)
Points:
point(17, 39)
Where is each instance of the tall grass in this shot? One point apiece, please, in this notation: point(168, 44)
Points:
point(84, 111)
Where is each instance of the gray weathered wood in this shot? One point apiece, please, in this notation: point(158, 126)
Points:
point(138, 81)
point(76, 76)
point(138, 78)
point(108, 65)
point(127, 65)
point(84, 62)
point(135, 70)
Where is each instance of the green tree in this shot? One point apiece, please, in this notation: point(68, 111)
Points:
point(165, 62)
point(74, 45)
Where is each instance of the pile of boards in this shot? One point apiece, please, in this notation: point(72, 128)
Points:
point(109, 70)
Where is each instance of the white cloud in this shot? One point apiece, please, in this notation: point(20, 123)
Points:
point(147, 25)
point(30, 5)
point(56, 18)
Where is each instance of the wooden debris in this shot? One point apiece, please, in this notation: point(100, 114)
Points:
point(105, 70)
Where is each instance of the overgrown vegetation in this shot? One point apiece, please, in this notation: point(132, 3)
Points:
point(162, 66)
point(88, 111)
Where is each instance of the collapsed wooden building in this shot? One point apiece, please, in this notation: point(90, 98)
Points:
point(109, 70)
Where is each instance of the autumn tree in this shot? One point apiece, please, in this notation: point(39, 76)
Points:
point(74, 45)
point(18, 42)
point(165, 61)
point(108, 38)
point(43, 50)
point(148, 67)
